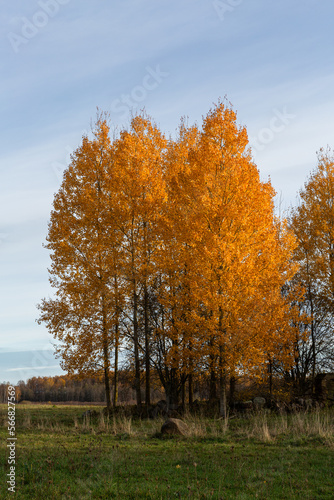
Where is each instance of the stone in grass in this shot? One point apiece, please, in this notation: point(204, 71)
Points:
point(175, 426)
point(259, 402)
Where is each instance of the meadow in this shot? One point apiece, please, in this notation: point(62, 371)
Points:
point(62, 454)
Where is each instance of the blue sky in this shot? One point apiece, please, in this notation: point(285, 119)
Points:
point(60, 59)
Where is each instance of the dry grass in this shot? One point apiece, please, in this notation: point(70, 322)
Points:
point(67, 454)
point(262, 426)
point(304, 425)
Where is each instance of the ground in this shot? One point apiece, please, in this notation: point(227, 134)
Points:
point(60, 454)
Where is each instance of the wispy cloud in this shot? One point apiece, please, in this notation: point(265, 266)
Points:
point(29, 368)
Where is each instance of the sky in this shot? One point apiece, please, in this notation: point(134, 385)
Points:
point(61, 59)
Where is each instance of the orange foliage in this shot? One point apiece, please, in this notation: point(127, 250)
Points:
point(177, 241)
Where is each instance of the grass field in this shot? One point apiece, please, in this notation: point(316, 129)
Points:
point(62, 455)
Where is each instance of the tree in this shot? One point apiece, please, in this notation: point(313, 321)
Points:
point(313, 224)
point(176, 328)
point(171, 250)
point(138, 195)
point(225, 258)
point(240, 249)
point(85, 255)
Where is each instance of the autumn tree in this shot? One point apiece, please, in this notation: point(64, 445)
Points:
point(170, 250)
point(313, 224)
point(176, 336)
point(138, 197)
point(85, 252)
point(224, 259)
point(239, 247)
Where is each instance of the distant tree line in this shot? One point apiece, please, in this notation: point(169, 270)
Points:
point(74, 388)
point(67, 388)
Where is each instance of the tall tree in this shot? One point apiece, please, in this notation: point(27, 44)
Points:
point(139, 197)
point(225, 257)
point(84, 314)
point(241, 249)
point(176, 337)
point(313, 224)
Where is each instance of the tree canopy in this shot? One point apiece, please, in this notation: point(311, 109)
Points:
point(313, 225)
point(172, 250)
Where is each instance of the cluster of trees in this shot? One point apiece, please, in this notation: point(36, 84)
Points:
point(312, 223)
point(169, 252)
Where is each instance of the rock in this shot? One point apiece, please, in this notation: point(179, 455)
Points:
point(305, 403)
point(243, 406)
point(300, 404)
point(159, 409)
point(162, 404)
point(175, 426)
point(259, 402)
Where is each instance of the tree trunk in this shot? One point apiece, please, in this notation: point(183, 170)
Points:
point(116, 368)
point(172, 391)
point(270, 370)
point(106, 362)
point(232, 388)
point(183, 392)
point(222, 395)
point(147, 350)
point(107, 388)
point(222, 385)
point(191, 389)
point(136, 346)
point(222, 372)
point(115, 398)
point(213, 386)
point(313, 342)
point(190, 375)
point(135, 319)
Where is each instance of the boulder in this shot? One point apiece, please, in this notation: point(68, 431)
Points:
point(159, 409)
point(259, 402)
point(175, 426)
point(162, 404)
point(243, 406)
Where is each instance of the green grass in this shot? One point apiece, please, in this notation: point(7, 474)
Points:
point(61, 455)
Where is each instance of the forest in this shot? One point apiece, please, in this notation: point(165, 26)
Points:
point(169, 261)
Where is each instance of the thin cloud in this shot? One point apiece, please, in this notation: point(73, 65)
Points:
point(29, 368)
